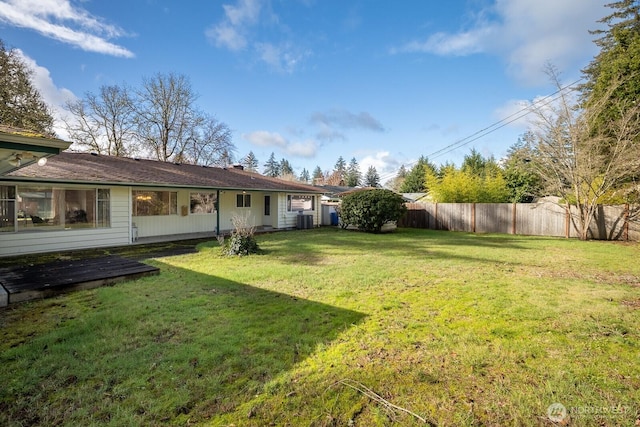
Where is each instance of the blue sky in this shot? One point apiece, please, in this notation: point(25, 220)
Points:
point(311, 80)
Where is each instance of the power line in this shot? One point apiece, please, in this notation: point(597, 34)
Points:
point(495, 126)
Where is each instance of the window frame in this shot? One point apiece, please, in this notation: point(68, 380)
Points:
point(55, 208)
point(309, 197)
point(8, 203)
point(243, 200)
point(213, 203)
point(157, 205)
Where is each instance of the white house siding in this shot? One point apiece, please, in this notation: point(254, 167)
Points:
point(119, 233)
point(290, 219)
point(229, 209)
point(17, 243)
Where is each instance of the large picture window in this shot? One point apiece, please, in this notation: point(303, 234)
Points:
point(48, 208)
point(153, 203)
point(298, 202)
point(202, 203)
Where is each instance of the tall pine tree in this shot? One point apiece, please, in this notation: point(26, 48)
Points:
point(353, 174)
point(285, 168)
point(371, 178)
point(304, 176)
point(318, 176)
point(613, 76)
point(250, 162)
point(271, 167)
point(21, 105)
point(415, 181)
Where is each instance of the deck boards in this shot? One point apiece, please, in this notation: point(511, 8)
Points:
point(44, 280)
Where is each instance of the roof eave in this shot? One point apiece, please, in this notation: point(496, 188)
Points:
point(148, 184)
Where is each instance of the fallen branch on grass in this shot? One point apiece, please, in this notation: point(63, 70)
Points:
point(377, 398)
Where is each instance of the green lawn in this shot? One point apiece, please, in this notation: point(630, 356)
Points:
point(331, 327)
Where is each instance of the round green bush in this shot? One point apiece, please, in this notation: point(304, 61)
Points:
point(369, 210)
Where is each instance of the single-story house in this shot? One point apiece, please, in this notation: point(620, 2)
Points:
point(85, 200)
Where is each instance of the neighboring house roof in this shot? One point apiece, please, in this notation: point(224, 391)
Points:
point(415, 197)
point(332, 190)
point(355, 190)
point(110, 170)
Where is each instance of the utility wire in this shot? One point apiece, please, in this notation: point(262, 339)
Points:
point(495, 126)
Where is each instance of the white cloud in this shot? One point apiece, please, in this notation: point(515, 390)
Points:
point(54, 96)
point(514, 112)
point(231, 33)
point(59, 20)
point(282, 58)
point(246, 11)
point(263, 138)
point(227, 36)
point(240, 29)
point(526, 33)
point(307, 149)
point(384, 163)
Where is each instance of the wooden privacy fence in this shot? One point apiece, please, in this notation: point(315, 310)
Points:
point(617, 222)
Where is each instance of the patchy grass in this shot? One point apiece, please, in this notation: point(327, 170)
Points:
point(331, 327)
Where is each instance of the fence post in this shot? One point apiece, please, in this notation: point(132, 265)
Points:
point(567, 222)
point(513, 219)
point(436, 218)
point(473, 217)
point(626, 222)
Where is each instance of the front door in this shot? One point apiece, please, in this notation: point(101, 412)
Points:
point(266, 220)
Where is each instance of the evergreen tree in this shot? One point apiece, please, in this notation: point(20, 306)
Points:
point(225, 159)
point(21, 105)
point(285, 168)
point(614, 74)
point(415, 181)
point(371, 178)
point(353, 175)
point(340, 167)
point(474, 163)
point(521, 180)
point(272, 167)
point(398, 180)
point(318, 176)
point(305, 176)
point(250, 162)
point(402, 172)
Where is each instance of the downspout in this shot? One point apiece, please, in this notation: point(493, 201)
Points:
point(217, 213)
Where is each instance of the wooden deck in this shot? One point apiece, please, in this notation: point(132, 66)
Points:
point(44, 280)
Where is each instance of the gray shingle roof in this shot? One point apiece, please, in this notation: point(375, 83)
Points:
point(99, 169)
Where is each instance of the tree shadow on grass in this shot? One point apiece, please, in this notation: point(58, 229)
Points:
point(180, 347)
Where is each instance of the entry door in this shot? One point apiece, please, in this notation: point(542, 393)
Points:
point(266, 220)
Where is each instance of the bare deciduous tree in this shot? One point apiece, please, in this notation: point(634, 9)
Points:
point(583, 164)
point(208, 144)
point(103, 123)
point(165, 115)
point(159, 120)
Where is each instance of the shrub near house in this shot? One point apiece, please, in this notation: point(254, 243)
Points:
point(369, 210)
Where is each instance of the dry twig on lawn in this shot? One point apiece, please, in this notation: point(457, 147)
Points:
point(377, 398)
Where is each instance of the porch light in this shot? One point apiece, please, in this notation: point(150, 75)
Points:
point(16, 161)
